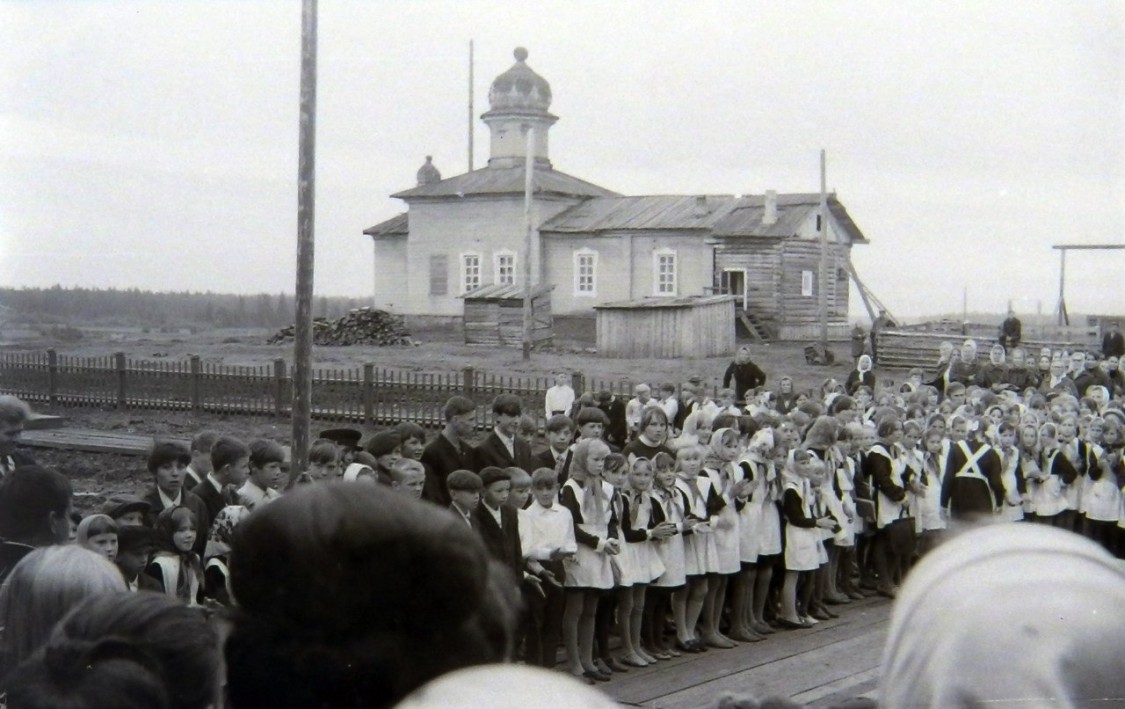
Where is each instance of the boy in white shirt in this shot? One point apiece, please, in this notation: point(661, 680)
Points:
point(547, 539)
point(560, 397)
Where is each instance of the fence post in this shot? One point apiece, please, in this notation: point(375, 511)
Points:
point(368, 393)
point(279, 387)
point(194, 384)
point(468, 378)
point(578, 382)
point(119, 359)
point(53, 377)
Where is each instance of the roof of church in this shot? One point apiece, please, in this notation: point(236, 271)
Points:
point(721, 215)
point(505, 180)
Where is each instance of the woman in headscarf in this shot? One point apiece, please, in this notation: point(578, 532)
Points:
point(1036, 621)
point(860, 376)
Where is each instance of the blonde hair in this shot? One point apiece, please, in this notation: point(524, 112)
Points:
point(42, 588)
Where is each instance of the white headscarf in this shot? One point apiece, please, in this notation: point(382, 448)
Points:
point(1009, 615)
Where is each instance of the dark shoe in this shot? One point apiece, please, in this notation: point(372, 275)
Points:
point(819, 614)
point(888, 591)
point(791, 625)
point(689, 646)
point(596, 675)
point(614, 664)
point(855, 595)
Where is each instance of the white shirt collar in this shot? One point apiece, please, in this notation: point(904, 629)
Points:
point(168, 501)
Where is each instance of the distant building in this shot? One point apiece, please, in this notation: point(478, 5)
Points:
point(594, 245)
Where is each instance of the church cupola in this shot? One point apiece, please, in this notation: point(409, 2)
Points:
point(428, 173)
point(518, 99)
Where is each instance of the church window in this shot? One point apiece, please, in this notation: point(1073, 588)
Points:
point(664, 272)
point(585, 272)
point(504, 266)
point(806, 283)
point(470, 272)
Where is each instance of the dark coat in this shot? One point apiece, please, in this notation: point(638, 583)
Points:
point(214, 500)
point(503, 540)
point(441, 457)
point(492, 451)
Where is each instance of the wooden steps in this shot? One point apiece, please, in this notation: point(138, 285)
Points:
point(753, 326)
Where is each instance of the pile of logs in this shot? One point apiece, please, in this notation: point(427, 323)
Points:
point(363, 326)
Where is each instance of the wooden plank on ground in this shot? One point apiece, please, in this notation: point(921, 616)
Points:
point(39, 422)
point(659, 686)
point(93, 441)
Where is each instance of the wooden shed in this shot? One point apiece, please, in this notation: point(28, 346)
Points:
point(493, 315)
point(694, 326)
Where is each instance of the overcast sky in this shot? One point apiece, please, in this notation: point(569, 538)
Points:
point(155, 144)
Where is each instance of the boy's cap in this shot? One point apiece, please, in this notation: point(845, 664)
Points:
point(120, 505)
point(464, 480)
point(382, 443)
point(135, 538)
point(346, 437)
point(492, 475)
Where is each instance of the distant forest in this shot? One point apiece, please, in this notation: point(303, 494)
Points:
point(142, 308)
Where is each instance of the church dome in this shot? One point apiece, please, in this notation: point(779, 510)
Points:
point(428, 173)
point(519, 88)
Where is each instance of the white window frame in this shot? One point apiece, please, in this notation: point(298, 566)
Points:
point(579, 255)
point(806, 283)
point(657, 256)
point(464, 271)
point(497, 256)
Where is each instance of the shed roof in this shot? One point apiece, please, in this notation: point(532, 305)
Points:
point(395, 226)
point(505, 180)
point(745, 218)
point(655, 302)
point(505, 292)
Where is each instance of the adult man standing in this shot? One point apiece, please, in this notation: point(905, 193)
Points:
point(1010, 331)
point(449, 451)
point(35, 511)
point(503, 448)
point(1113, 342)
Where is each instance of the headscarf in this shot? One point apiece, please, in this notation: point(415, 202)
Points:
point(1039, 620)
point(352, 472)
point(222, 530)
point(863, 364)
point(87, 522)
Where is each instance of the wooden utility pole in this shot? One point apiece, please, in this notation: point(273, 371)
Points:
point(306, 203)
point(822, 300)
point(470, 105)
point(528, 187)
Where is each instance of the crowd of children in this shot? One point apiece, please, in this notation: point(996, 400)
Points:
point(680, 522)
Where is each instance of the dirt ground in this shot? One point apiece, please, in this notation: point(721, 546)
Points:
point(96, 475)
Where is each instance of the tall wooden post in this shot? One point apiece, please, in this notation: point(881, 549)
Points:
point(528, 187)
point(471, 120)
point(822, 300)
point(1064, 317)
point(306, 202)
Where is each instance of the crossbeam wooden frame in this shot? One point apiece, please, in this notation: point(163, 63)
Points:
point(1063, 316)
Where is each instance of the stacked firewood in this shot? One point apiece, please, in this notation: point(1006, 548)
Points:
point(363, 326)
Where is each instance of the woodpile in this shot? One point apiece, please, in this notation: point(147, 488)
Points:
point(362, 326)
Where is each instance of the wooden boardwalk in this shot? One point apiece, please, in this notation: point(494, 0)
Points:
point(833, 661)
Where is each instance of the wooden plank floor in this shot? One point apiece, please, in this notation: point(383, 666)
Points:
point(830, 662)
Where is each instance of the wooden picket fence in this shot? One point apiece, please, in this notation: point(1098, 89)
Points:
point(365, 394)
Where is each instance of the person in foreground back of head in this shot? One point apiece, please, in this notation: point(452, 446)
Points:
point(35, 511)
point(378, 595)
point(140, 650)
point(41, 589)
point(1008, 615)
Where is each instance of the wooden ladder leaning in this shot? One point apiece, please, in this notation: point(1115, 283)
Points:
point(753, 326)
